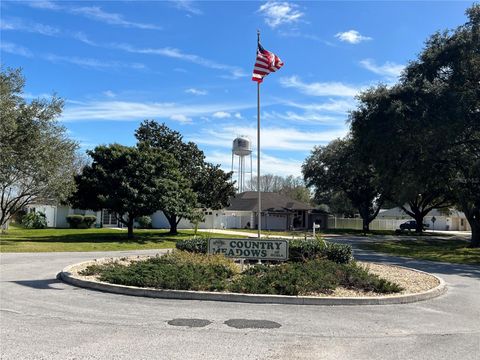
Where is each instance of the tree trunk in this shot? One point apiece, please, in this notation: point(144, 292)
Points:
point(130, 227)
point(419, 220)
point(172, 220)
point(366, 226)
point(475, 225)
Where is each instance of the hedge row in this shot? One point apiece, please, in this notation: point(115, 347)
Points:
point(81, 221)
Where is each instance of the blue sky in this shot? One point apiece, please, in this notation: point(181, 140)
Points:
point(189, 64)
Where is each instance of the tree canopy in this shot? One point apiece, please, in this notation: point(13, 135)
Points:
point(211, 185)
point(131, 182)
point(37, 159)
point(338, 167)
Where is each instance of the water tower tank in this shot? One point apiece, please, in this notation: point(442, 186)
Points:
point(242, 146)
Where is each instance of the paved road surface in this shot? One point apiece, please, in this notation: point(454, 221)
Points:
point(42, 318)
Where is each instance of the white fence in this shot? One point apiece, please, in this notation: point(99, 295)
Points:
point(357, 223)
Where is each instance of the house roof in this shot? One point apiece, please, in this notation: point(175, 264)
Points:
point(247, 201)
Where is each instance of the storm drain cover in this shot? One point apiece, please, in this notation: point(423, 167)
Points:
point(252, 324)
point(189, 322)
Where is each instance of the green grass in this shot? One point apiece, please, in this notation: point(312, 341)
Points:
point(446, 250)
point(58, 240)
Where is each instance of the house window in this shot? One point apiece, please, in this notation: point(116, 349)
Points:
point(461, 222)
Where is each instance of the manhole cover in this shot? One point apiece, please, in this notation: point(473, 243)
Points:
point(189, 322)
point(252, 324)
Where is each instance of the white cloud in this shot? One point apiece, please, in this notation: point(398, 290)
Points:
point(235, 71)
point(279, 13)
point(306, 117)
point(319, 88)
point(388, 69)
point(109, 93)
point(194, 91)
point(269, 164)
point(93, 63)
point(352, 37)
point(27, 26)
point(15, 49)
point(80, 36)
point(336, 106)
point(187, 6)
point(44, 4)
point(134, 111)
point(238, 115)
point(94, 13)
point(273, 138)
point(221, 115)
point(181, 118)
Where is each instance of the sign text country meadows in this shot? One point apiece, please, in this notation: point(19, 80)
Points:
point(250, 249)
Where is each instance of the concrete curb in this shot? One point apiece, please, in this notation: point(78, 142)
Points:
point(67, 276)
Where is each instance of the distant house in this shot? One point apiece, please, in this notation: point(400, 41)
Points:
point(445, 219)
point(278, 212)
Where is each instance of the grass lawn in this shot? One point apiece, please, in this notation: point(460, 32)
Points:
point(446, 250)
point(53, 240)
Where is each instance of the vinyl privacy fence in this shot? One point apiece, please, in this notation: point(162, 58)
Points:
point(357, 224)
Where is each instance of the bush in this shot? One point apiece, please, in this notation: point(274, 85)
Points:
point(303, 250)
point(34, 220)
point(144, 222)
point(89, 220)
point(309, 249)
point(339, 253)
point(179, 270)
point(80, 221)
point(197, 245)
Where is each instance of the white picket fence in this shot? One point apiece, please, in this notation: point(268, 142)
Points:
point(357, 224)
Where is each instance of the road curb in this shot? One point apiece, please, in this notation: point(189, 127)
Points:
point(67, 276)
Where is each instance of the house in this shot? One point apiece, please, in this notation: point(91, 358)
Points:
point(56, 215)
point(445, 219)
point(278, 212)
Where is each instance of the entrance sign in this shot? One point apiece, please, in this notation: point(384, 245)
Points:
point(253, 249)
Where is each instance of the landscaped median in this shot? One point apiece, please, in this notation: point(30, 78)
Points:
point(312, 278)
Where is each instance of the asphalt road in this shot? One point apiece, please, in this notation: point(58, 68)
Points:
point(42, 318)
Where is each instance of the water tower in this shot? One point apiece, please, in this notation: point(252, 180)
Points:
point(242, 148)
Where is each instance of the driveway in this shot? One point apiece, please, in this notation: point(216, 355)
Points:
point(42, 318)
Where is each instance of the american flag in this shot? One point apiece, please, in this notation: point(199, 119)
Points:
point(266, 63)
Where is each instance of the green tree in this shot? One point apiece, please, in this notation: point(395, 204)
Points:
point(337, 167)
point(211, 185)
point(445, 78)
point(37, 159)
point(131, 182)
point(391, 132)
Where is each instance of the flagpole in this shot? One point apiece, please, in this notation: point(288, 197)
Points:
point(259, 213)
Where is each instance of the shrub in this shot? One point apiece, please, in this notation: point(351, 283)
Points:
point(80, 221)
point(309, 249)
point(339, 253)
point(144, 222)
point(190, 271)
point(89, 220)
point(303, 250)
point(180, 270)
point(34, 220)
point(195, 245)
